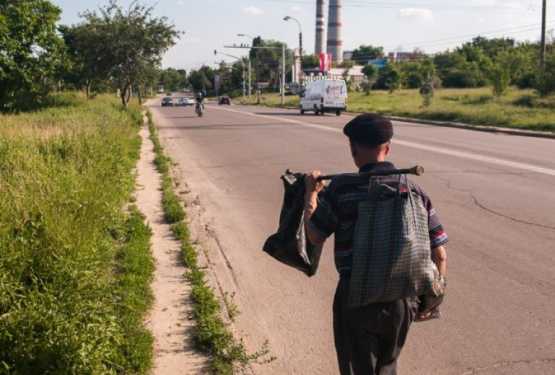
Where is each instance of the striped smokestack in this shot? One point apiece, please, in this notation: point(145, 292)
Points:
point(320, 25)
point(335, 44)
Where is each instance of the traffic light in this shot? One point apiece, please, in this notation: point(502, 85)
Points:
point(215, 52)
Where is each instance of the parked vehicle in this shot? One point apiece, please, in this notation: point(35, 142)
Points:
point(167, 102)
point(224, 99)
point(183, 102)
point(325, 95)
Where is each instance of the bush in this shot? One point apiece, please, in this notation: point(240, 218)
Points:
point(392, 77)
point(545, 84)
point(500, 79)
point(427, 90)
point(464, 74)
point(526, 80)
point(528, 101)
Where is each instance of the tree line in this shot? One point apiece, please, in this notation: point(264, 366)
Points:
point(498, 63)
point(111, 49)
point(114, 49)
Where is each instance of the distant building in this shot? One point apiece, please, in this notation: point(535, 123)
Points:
point(394, 57)
point(355, 73)
point(347, 55)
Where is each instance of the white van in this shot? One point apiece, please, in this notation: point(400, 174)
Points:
point(325, 95)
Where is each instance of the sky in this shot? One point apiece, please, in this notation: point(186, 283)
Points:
point(396, 25)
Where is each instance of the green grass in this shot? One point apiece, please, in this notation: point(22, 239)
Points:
point(519, 109)
point(75, 267)
point(211, 333)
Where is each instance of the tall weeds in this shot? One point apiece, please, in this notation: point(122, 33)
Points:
point(74, 267)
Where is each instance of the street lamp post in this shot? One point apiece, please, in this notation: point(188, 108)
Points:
point(287, 18)
point(250, 68)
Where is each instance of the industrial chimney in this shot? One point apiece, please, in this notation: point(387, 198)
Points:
point(335, 44)
point(320, 27)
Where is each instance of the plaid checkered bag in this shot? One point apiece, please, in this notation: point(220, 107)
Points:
point(391, 249)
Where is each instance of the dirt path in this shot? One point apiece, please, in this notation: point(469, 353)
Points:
point(169, 321)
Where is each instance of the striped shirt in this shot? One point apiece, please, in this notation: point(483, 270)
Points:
point(337, 210)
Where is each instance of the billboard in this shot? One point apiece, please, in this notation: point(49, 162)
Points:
point(325, 62)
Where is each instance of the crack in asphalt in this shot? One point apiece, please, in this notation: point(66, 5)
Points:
point(211, 234)
point(510, 363)
point(483, 207)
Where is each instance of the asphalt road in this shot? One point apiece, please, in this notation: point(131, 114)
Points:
point(494, 194)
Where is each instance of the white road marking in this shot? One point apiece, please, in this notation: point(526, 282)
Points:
point(460, 154)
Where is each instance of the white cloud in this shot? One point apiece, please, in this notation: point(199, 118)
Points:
point(296, 8)
point(251, 9)
point(416, 13)
point(181, 2)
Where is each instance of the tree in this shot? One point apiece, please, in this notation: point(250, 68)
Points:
point(371, 73)
point(500, 79)
point(392, 77)
point(456, 71)
point(172, 79)
point(132, 43)
point(201, 80)
point(29, 51)
point(239, 75)
point(311, 61)
point(416, 72)
point(492, 47)
point(268, 60)
point(413, 74)
point(83, 51)
point(545, 83)
point(350, 83)
point(363, 54)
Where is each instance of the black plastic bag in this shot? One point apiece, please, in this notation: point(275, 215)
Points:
point(289, 244)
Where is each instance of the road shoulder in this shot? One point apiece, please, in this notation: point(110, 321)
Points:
point(169, 319)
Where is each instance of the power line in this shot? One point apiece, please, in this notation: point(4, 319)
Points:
point(371, 4)
point(514, 30)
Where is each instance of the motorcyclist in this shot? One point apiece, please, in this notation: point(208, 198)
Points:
point(200, 102)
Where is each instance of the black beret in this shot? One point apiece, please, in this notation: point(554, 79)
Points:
point(369, 128)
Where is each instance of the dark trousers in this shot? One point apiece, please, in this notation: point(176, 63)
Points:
point(369, 339)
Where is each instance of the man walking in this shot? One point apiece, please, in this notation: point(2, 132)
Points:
point(368, 339)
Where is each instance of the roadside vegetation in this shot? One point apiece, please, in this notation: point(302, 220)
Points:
point(212, 334)
point(518, 109)
point(75, 263)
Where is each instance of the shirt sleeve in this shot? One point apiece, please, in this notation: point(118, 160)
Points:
point(438, 236)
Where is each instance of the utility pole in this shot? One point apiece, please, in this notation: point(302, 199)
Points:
point(250, 67)
point(283, 74)
point(542, 51)
point(301, 74)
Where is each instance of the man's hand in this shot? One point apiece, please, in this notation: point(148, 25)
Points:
point(311, 184)
point(312, 188)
